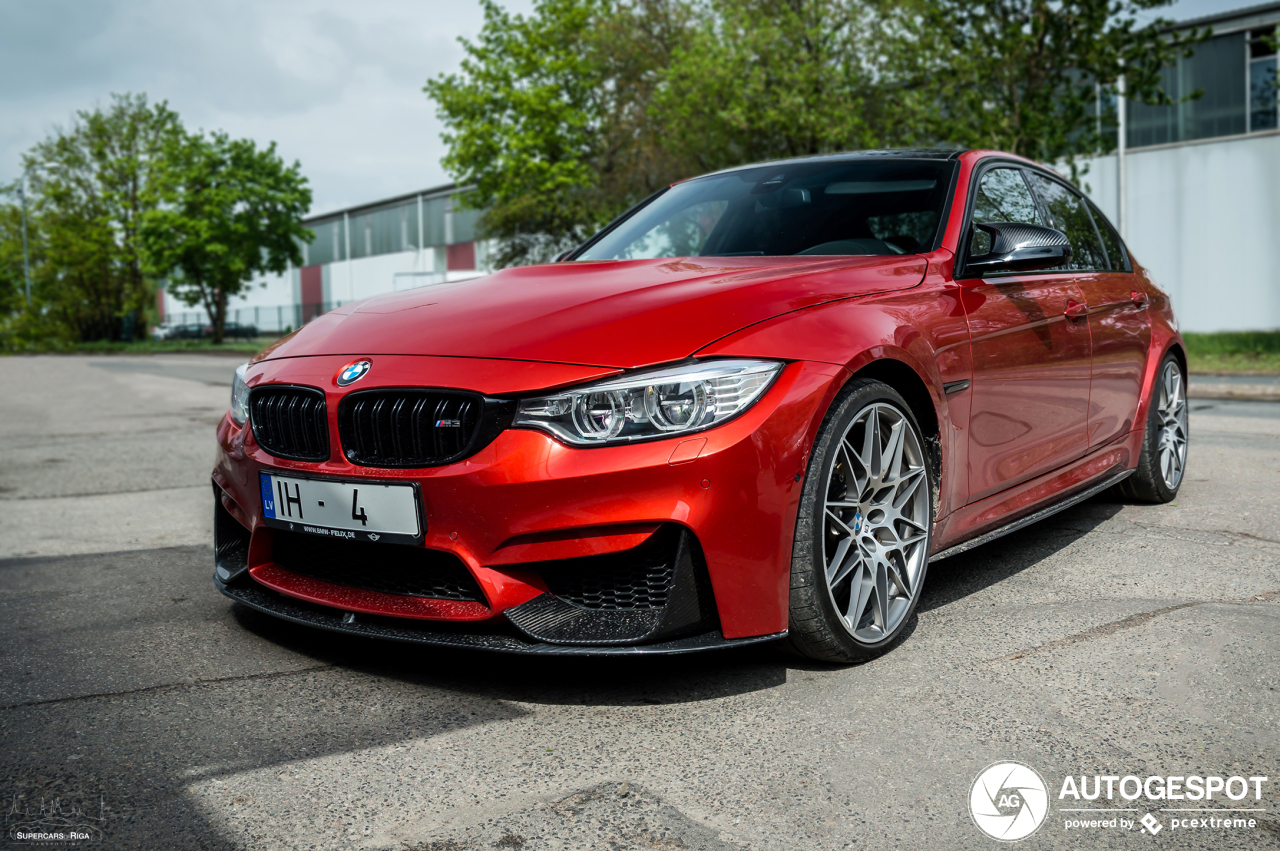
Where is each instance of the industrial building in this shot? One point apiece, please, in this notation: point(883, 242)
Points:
point(1194, 188)
point(394, 244)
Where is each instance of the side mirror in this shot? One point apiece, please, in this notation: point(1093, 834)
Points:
point(1017, 247)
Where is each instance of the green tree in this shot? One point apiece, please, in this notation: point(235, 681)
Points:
point(562, 119)
point(548, 119)
point(1026, 76)
point(225, 212)
point(770, 79)
point(12, 286)
point(89, 191)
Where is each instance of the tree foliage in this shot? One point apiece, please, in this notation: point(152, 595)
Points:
point(89, 187)
point(761, 79)
point(224, 211)
point(562, 119)
point(1026, 76)
point(547, 117)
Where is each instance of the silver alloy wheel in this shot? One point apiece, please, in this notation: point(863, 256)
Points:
point(876, 519)
point(1172, 439)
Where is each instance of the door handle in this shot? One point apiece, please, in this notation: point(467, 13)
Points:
point(1076, 309)
point(1139, 298)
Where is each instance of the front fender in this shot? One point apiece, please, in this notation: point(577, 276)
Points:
point(923, 328)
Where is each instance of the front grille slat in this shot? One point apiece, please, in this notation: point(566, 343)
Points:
point(398, 569)
point(416, 426)
point(290, 422)
point(409, 427)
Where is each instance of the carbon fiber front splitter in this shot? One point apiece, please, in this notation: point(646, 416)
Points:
point(420, 632)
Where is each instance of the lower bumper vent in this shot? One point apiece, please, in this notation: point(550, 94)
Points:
point(634, 579)
point(659, 590)
point(386, 568)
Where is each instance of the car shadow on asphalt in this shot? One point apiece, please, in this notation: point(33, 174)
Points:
point(955, 578)
point(627, 681)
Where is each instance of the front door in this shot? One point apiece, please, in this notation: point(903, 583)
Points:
point(1031, 362)
point(1119, 324)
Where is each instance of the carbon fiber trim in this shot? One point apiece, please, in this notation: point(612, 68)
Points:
point(230, 541)
point(269, 602)
point(548, 618)
point(1035, 517)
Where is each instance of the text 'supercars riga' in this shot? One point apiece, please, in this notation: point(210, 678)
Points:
point(754, 408)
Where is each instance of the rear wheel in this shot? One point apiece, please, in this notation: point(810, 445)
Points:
point(862, 535)
point(1164, 446)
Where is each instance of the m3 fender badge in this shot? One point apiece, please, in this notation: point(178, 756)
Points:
point(353, 372)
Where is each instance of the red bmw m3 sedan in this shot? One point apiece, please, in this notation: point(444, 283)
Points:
point(753, 408)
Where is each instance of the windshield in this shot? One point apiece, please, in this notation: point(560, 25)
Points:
point(852, 207)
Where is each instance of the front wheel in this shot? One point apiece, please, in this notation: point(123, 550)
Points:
point(863, 531)
point(1163, 459)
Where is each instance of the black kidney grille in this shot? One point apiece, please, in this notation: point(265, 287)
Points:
point(399, 569)
point(634, 579)
point(408, 427)
point(290, 422)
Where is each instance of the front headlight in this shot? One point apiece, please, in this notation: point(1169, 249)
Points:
point(659, 403)
point(240, 396)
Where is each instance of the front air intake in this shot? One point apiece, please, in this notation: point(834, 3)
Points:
point(290, 422)
point(385, 568)
point(409, 427)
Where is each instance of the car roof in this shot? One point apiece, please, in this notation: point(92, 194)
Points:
point(941, 154)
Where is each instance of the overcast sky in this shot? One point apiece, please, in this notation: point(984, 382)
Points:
point(336, 83)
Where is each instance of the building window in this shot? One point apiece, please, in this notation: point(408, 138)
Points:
point(1217, 72)
point(1262, 79)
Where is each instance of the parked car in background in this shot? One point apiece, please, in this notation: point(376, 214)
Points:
point(188, 331)
point(239, 331)
point(754, 408)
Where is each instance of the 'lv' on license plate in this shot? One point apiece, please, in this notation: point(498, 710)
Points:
point(356, 511)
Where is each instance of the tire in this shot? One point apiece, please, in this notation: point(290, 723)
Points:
point(1162, 461)
point(876, 537)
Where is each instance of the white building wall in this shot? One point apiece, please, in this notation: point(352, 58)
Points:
point(1204, 219)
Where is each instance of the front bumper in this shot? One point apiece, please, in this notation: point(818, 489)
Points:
point(525, 502)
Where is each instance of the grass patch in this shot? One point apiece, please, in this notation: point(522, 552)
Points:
point(157, 347)
point(1243, 352)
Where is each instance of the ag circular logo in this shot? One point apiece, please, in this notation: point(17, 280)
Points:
point(353, 372)
point(1008, 801)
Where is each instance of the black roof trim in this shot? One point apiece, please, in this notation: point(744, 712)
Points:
point(844, 156)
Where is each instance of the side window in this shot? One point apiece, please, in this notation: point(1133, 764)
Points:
point(1002, 197)
point(1067, 213)
point(1118, 258)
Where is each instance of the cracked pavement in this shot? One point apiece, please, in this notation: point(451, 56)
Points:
point(1108, 639)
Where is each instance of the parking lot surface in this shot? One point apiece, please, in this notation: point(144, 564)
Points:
point(1110, 639)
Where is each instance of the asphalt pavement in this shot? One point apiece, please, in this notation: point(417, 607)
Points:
point(136, 701)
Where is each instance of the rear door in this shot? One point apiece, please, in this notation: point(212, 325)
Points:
point(1030, 381)
point(1119, 324)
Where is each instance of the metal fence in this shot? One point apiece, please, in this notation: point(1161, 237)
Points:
point(267, 319)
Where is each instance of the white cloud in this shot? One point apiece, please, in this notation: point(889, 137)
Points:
point(336, 83)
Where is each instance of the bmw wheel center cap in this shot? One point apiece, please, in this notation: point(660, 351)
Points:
point(353, 372)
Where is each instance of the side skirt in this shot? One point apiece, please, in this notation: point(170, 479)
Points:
point(1035, 517)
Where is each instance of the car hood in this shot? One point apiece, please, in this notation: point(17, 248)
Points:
point(621, 314)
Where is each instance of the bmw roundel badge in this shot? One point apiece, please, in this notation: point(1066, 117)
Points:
point(353, 372)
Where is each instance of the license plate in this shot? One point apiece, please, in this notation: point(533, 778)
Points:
point(355, 511)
